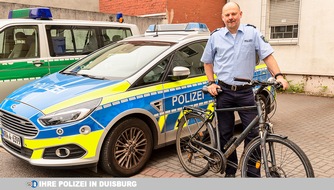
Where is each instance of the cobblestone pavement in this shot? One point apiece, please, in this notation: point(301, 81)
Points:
point(306, 120)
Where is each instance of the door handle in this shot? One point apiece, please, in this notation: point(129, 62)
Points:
point(38, 63)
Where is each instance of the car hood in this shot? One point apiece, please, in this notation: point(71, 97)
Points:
point(56, 88)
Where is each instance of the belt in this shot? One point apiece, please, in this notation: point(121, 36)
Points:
point(234, 87)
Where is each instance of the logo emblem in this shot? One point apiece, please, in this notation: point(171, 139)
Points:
point(33, 184)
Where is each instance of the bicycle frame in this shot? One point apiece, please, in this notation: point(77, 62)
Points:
point(234, 142)
point(199, 152)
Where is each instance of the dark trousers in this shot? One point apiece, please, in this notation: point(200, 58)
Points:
point(226, 120)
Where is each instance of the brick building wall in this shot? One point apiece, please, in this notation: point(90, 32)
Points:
point(206, 11)
point(133, 7)
point(177, 11)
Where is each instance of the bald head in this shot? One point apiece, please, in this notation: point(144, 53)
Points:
point(231, 15)
point(231, 4)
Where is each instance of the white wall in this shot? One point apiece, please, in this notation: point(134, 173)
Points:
point(85, 5)
point(313, 55)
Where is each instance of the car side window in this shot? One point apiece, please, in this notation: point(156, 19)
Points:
point(190, 57)
point(82, 40)
point(114, 34)
point(19, 42)
point(71, 40)
point(155, 74)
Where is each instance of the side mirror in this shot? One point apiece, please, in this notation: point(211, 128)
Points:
point(180, 72)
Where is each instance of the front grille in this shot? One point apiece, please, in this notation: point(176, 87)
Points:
point(17, 124)
point(26, 152)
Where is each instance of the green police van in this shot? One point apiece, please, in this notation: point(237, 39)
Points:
point(33, 45)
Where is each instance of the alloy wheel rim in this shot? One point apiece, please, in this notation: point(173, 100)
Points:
point(130, 148)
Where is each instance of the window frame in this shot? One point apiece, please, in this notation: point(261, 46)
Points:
point(295, 31)
point(98, 31)
point(21, 28)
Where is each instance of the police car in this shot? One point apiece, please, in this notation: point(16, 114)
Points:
point(34, 44)
point(113, 107)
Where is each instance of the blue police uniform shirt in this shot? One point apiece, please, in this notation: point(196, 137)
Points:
point(235, 57)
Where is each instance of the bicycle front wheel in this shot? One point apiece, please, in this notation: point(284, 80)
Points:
point(192, 159)
point(285, 160)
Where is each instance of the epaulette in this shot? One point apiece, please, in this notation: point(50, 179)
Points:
point(214, 31)
point(251, 25)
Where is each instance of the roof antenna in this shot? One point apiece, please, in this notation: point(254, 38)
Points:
point(156, 30)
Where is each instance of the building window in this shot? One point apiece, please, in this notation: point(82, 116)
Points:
point(284, 20)
point(290, 31)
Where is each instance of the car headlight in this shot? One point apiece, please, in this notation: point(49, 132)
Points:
point(70, 114)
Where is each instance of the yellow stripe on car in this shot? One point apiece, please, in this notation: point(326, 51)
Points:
point(88, 142)
point(190, 81)
point(114, 89)
point(162, 121)
point(260, 66)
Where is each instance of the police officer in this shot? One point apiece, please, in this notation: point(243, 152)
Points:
point(231, 52)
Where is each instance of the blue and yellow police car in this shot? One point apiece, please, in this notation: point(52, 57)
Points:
point(114, 106)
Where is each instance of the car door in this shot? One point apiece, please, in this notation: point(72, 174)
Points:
point(68, 43)
point(20, 58)
point(165, 95)
point(184, 92)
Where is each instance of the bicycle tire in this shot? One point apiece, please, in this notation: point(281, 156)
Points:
point(291, 161)
point(193, 161)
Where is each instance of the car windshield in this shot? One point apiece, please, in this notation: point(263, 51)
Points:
point(118, 61)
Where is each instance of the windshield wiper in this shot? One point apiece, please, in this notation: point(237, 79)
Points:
point(70, 73)
point(93, 77)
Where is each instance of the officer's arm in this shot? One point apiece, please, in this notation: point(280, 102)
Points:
point(212, 88)
point(274, 70)
point(209, 71)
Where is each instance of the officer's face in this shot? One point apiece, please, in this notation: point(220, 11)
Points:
point(231, 16)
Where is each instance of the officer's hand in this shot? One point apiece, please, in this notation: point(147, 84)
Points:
point(212, 89)
point(285, 83)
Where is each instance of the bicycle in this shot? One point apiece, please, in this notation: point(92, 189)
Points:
point(267, 155)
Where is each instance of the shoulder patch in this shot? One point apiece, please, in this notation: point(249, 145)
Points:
point(264, 39)
point(251, 25)
point(217, 29)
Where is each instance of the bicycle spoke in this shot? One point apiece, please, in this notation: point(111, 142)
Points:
point(285, 160)
point(191, 156)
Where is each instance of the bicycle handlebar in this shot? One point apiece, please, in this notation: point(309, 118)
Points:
point(270, 82)
point(205, 89)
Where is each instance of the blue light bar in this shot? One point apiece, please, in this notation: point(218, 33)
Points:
point(197, 26)
point(39, 13)
point(179, 27)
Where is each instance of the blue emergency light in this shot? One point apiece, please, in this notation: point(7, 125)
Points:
point(185, 27)
point(39, 13)
point(197, 26)
point(119, 17)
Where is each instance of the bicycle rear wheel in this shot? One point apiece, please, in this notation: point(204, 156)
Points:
point(193, 160)
point(285, 159)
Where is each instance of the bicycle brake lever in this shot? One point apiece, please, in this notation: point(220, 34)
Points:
point(206, 91)
point(278, 85)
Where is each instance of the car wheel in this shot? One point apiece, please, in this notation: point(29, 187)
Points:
point(127, 148)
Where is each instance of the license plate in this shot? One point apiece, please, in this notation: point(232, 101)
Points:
point(12, 138)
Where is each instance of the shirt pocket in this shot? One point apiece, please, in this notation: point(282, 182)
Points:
point(247, 47)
